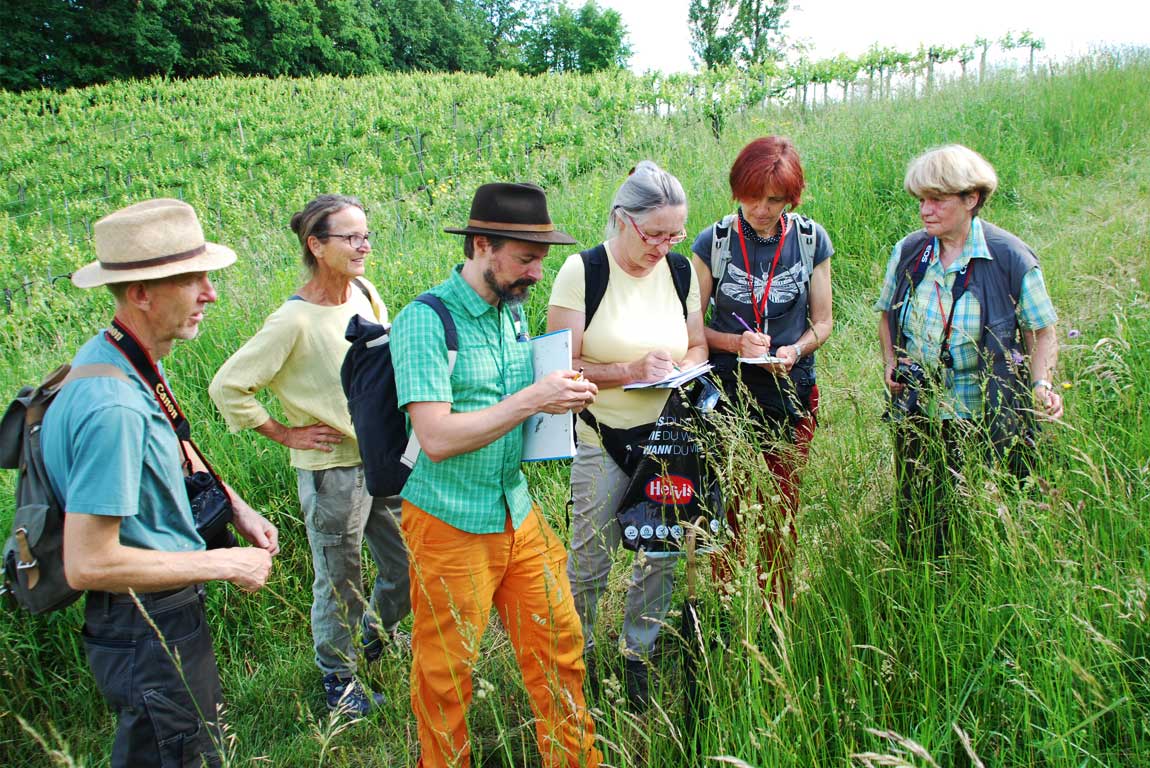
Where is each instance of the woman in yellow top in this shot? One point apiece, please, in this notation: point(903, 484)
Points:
point(640, 331)
point(297, 354)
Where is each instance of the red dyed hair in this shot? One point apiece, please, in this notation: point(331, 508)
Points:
point(770, 161)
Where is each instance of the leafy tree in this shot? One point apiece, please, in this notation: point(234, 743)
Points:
point(983, 44)
point(1028, 40)
point(936, 54)
point(211, 36)
point(429, 35)
point(964, 57)
point(34, 36)
point(844, 71)
point(759, 26)
point(712, 41)
point(748, 32)
point(587, 40)
point(799, 74)
point(501, 25)
point(603, 44)
point(871, 63)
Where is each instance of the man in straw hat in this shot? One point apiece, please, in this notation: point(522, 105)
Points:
point(475, 538)
point(114, 458)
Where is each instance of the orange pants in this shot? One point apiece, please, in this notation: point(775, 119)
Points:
point(456, 577)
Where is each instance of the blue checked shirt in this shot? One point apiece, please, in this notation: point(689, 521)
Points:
point(925, 316)
point(474, 491)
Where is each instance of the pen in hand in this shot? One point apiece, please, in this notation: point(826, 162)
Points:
point(742, 322)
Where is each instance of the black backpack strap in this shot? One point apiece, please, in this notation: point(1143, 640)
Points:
point(450, 335)
point(596, 272)
point(915, 256)
point(681, 275)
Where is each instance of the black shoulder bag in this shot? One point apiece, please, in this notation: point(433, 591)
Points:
point(211, 506)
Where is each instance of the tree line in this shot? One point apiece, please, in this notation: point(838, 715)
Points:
point(73, 43)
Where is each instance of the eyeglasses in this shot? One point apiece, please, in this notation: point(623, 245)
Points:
point(355, 240)
point(674, 239)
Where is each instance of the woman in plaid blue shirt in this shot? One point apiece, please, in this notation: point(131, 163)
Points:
point(961, 301)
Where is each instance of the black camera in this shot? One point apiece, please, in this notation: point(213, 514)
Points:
point(909, 374)
point(913, 378)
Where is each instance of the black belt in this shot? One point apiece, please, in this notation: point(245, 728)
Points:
point(153, 601)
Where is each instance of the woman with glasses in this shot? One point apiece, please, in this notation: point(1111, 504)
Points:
point(961, 301)
point(766, 273)
point(297, 354)
point(643, 324)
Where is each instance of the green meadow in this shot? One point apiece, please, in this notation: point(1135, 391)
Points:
point(1026, 645)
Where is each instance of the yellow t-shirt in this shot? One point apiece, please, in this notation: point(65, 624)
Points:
point(637, 315)
point(297, 355)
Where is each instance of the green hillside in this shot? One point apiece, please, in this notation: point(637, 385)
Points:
point(1026, 646)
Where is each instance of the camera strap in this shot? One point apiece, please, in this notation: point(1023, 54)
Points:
point(957, 289)
point(131, 348)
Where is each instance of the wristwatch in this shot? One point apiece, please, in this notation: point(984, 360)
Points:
point(798, 347)
point(1042, 383)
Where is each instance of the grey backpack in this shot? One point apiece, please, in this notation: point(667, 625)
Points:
point(33, 562)
point(721, 246)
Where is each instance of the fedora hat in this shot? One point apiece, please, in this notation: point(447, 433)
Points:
point(150, 240)
point(515, 211)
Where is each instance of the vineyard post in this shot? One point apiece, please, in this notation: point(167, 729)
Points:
point(68, 221)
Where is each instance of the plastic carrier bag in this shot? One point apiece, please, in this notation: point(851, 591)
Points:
point(673, 484)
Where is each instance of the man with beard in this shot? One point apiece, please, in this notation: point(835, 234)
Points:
point(476, 539)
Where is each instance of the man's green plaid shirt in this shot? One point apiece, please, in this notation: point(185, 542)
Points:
point(472, 491)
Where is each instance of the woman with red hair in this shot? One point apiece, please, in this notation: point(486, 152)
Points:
point(766, 273)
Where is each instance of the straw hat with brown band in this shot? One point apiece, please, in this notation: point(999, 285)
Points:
point(150, 240)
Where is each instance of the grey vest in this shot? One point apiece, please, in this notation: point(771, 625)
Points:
point(996, 284)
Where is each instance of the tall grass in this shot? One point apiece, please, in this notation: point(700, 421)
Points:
point(1025, 646)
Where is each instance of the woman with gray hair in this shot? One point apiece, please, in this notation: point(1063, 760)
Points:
point(643, 324)
point(961, 300)
point(297, 354)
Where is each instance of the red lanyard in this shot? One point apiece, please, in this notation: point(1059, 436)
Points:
point(761, 313)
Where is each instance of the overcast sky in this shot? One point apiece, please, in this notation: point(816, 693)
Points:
point(660, 39)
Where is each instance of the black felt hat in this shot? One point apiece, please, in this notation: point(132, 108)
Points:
point(515, 211)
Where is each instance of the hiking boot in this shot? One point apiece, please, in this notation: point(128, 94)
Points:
point(635, 676)
point(347, 696)
point(374, 644)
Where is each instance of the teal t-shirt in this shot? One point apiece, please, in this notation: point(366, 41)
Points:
point(109, 450)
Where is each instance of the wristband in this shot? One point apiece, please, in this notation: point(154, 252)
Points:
point(1042, 383)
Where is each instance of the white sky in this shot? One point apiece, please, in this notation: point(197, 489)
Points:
point(660, 39)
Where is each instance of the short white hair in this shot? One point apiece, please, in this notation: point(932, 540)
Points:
point(951, 170)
